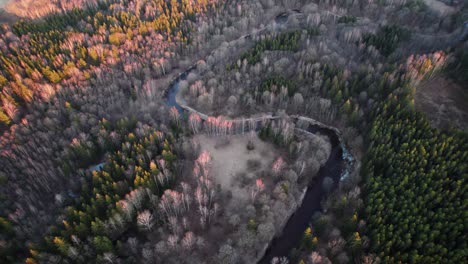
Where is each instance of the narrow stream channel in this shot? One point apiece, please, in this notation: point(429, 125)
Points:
point(336, 166)
point(294, 229)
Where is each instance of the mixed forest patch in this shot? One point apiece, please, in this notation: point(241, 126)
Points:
point(115, 201)
point(86, 85)
point(67, 49)
point(387, 38)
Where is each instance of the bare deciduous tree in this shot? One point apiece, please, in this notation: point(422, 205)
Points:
point(145, 220)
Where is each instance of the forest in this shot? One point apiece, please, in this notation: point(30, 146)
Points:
point(416, 184)
point(38, 58)
point(212, 131)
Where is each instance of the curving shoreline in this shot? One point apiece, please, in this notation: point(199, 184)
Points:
point(337, 167)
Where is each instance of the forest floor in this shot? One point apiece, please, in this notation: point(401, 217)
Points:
point(443, 101)
point(230, 157)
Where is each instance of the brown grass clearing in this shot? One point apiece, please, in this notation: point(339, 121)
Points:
point(230, 157)
point(443, 101)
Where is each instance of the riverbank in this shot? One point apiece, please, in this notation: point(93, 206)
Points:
point(337, 167)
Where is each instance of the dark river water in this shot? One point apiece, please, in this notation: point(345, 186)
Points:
point(293, 231)
point(298, 222)
point(335, 167)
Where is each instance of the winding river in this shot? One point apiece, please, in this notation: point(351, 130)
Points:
point(294, 229)
point(337, 167)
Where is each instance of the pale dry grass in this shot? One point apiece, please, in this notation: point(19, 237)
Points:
point(230, 157)
point(443, 101)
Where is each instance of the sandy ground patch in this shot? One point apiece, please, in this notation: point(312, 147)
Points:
point(230, 156)
point(443, 101)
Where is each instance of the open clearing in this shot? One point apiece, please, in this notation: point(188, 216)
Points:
point(443, 101)
point(231, 157)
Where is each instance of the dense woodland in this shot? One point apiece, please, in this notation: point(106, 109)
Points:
point(286, 41)
point(387, 38)
point(87, 86)
point(361, 219)
point(64, 104)
point(112, 199)
point(415, 184)
point(38, 58)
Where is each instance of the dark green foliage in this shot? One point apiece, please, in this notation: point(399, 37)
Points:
point(267, 134)
point(458, 68)
point(102, 244)
point(274, 84)
point(344, 92)
point(416, 189)
point(347, 19)
point(100, 195)
point(54, 22)
point(5, 226)
point(416, 5)
point(386, 40)
point(315, 31)
point(50, 50)
point(415, 205)
point(83, 154)
point(308, 242)
point(320, 225)
point(3, 179)
point(252, 225)
point(11, 247)
point(285, 41)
